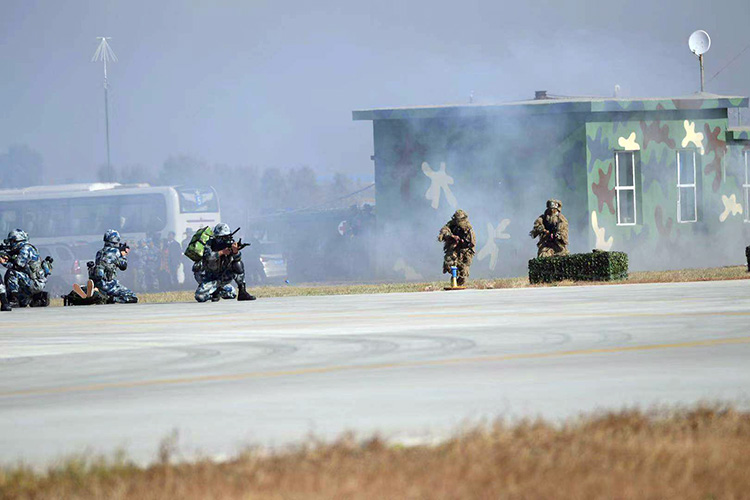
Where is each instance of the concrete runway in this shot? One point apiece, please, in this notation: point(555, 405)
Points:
point(411, 366)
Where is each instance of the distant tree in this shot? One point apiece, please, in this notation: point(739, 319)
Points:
point(21, 166)
point(302, 187)
point(183, 169)
point(135, 174)
point(106, 173)
point(273, 190)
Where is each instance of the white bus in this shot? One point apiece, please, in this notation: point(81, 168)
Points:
point(77, 215)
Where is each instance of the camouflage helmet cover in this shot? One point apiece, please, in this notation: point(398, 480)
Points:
point(221, 229)
point(460, 215)
point(554, 204)
point(112, 237)
point(18, 237)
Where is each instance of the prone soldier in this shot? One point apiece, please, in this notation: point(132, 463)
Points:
point(220, 265)
point(103, 271)
point(459, 240)
point(27, 273)
point(552, 230)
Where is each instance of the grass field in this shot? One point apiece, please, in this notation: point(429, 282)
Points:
point(717, 273)
point(700, 453)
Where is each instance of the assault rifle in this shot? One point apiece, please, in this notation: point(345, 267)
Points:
point(223, 242)
point(5, 248)
point(124, 247)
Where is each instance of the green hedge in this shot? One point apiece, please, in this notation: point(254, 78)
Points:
point(594, 266)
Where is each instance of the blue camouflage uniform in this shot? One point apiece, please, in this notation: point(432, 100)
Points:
point(214, 272)
point(104, 272)
point(27, 273)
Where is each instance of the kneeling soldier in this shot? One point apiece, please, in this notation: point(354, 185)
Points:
point(103, 272)
point(220, 264)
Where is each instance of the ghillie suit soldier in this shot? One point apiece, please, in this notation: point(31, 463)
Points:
point(27, 273)
point(552, 230)
point(459, 240)
point(220, 264)
point(103, 272)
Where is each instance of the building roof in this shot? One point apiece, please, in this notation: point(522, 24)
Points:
point(556, 105)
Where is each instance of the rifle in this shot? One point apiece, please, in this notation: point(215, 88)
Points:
point(228, 241)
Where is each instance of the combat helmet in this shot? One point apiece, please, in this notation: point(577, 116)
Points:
point(112, 238)
point(556, 204)
point(221, 230)
point(460, 215)
point(17, 238)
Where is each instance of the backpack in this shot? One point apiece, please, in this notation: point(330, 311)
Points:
point(197, 245)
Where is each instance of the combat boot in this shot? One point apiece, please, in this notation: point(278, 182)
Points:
point(4, 304)
point(40, 299)
point(243, 295)
point(216, 296)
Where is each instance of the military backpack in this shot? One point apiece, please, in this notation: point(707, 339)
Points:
point(197, 245)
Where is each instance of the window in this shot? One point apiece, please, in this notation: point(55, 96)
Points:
point(687, 198)
point(197, 200)
point(746, 186)
point(625, 188)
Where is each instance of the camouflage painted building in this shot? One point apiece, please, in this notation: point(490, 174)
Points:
point(663, 179)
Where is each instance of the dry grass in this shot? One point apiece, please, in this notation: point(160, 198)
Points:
point(682, 275)
point(696, 454)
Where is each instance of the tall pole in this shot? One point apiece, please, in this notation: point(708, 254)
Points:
point(700, 58)
point(104, 53)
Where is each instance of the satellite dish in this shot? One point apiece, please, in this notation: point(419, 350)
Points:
point(699, 42)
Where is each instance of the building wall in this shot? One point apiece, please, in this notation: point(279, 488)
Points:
point(500, 170)
point(659, 240)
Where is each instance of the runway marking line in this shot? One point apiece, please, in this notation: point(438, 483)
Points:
point(376, 366)
point(275, 319)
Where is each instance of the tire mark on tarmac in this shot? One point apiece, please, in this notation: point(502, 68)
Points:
point(378, 366)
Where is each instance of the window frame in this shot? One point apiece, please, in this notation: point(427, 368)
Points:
point(746, 187)
point(619, 188)
point(680, 186)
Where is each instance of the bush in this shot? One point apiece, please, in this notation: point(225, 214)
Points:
point(594, 266)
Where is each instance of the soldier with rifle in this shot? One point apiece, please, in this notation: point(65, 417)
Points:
point(459, 240)
point(27, 272)
point(4, 256)
point(221, 264)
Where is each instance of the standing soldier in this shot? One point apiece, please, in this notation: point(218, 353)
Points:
point(27, 273)
point(109, 260)
point(459, 240)
point(220, 265)
point(552, 229)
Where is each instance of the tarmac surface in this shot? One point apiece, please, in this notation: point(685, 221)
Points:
point(413, 367)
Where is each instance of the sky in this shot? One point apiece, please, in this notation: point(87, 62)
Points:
point(273, 84)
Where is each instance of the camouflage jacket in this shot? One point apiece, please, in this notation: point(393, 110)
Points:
point(108, 260)
point(467, 237)
point(214, 263)
point(26, 260)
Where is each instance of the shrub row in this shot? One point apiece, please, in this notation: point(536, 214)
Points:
point(594, 266)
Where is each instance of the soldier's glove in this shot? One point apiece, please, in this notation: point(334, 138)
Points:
point(49, 259)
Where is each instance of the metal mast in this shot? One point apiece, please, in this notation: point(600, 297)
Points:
point(105, 54)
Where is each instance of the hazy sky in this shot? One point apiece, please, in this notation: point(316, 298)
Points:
point(274, 83)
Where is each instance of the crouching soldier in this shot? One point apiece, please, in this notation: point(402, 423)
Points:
point(103, 272)
point(27, 273)
point(220, 264)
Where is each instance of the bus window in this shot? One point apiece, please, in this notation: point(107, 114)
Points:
point(143, 213)
point(197, 200)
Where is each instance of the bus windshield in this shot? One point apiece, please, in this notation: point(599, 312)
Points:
point(197, 200)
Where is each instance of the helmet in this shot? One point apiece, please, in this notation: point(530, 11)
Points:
point(460, 214)
point(112, 237)
point(221, 229)
point(17, 237)
point(554, 204)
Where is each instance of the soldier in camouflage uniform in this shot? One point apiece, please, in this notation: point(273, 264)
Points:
point(552, 230)
point(459, 240)
point(104, 271)
point(4, 302)
point(27, 273)
point(221, 264)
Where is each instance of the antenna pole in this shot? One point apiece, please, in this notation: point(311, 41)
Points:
point(104, 53)
point(700, 58)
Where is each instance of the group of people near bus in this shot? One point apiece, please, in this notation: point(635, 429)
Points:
point(218, 265)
